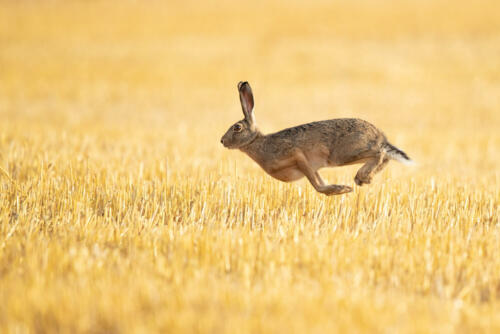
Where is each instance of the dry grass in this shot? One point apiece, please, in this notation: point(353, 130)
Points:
point(121, 212)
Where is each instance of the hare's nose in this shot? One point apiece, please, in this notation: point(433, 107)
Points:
point(222, 141)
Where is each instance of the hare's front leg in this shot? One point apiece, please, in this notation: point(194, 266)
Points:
point(316, 180)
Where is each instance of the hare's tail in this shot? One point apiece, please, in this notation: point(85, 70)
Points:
point(396, 154)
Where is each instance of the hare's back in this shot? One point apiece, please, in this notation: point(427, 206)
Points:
point(345, 127)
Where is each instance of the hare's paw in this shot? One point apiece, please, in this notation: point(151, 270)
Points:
point(361, 179)
point(335, 189)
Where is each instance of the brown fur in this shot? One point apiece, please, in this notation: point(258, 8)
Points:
point(293, 153)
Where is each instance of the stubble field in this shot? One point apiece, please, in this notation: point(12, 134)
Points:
point(121, 212)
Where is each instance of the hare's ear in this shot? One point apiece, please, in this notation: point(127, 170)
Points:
point(246, 98)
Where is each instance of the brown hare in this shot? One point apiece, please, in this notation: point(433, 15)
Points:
point(293, 153)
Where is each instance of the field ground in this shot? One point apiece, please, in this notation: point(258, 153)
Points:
point(120, 212)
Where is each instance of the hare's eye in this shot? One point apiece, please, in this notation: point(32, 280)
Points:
point(237, 128)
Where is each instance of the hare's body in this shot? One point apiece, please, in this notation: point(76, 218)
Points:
point(293, 153)
point(330, 143)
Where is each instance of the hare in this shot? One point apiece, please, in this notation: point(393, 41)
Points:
point(293, 153)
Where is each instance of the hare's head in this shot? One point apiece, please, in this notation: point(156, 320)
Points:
point(245, 131)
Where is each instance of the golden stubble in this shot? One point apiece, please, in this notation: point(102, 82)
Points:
point(121, 212)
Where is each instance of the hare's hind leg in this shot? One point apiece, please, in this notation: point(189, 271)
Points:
point(370, 168)
point(382, 165)
point(316, 180)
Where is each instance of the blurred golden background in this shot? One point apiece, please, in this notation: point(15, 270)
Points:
point(122, 212)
